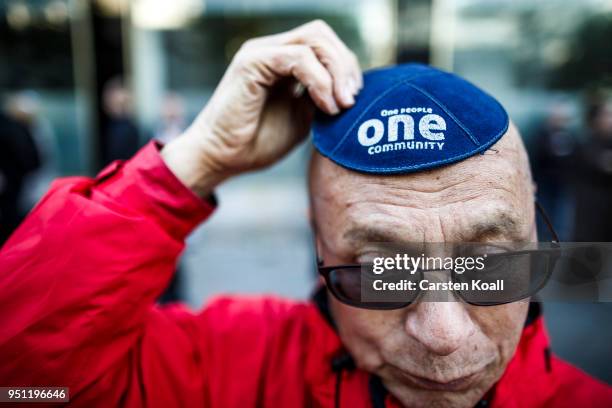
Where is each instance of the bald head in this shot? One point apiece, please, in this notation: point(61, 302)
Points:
point(488, 195)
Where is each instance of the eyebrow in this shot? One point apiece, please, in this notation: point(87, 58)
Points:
point(361, 234)
point(501, 224)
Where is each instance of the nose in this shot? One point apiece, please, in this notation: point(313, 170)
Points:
point(442, 327)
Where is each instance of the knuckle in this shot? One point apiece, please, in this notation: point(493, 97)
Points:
point(243, 62)
point(318, 22)
point(251, 44)
point(247, 45)
point(278, 59)
point(244, 50)
point(328, 31)
point(323, 84)
point(241, 58)
point(319, 26)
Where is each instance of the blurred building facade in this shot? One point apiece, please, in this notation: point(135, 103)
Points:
point(528, 54)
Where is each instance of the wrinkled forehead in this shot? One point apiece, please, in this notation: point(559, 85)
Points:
point(489, 194)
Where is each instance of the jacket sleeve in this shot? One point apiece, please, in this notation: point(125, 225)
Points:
point(79, 278)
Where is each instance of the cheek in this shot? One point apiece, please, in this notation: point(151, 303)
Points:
point(362, 332)
point(503, 326)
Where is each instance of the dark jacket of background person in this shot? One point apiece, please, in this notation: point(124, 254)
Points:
point(18, 157)
point(553, 167)
point(554, 155)
point(79, 279)
point(120, 136)
point(121, 139)
point(593, 166)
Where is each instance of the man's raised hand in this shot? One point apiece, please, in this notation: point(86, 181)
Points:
point(257, 114)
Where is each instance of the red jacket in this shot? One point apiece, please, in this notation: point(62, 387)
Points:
point(78, 282)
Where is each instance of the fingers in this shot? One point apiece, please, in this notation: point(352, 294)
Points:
point(300, 62)
point(333, 56)
point(345, 56)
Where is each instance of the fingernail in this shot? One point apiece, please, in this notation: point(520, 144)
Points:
point(331, 105)
point(347, 96)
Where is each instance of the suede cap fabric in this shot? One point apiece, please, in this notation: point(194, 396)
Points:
point(409, 118)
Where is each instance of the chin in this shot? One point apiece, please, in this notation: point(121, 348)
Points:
point(421, 398)
point(413, 393)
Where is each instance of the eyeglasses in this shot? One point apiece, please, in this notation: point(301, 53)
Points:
point(528, 270)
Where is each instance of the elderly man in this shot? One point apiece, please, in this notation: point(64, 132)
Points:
point(80, 276)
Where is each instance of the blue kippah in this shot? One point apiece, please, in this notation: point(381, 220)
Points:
point(409, 118)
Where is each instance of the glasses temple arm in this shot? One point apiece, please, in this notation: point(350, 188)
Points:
point(547, 221)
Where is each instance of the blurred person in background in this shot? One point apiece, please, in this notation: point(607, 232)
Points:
point(25, 107)
point(120, 133)
point(553, 165)
point(173, 119)
point(19, 157)
point(593, 169)
point(115, 240)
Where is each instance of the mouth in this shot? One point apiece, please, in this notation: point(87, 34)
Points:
point(456, 384)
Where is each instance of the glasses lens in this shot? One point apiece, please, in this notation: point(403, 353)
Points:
point(345, 285)
point(506, 278)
